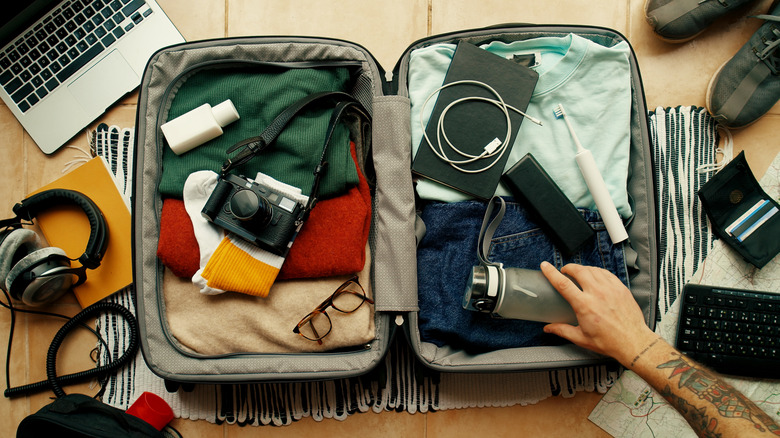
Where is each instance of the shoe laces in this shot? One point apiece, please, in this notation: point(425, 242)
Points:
point(769, 53)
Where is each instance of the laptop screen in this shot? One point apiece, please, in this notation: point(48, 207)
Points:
point(19, 14)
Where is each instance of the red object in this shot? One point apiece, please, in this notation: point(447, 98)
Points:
point(177, 248)
point(152, 409)
point(333, 239)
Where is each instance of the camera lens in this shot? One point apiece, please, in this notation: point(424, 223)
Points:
point(246, 205)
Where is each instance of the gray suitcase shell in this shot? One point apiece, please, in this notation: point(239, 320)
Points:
point(392, 235)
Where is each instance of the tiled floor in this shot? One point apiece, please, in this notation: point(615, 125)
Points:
point(672, 74)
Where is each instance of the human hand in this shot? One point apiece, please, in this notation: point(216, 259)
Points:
point(610, 321)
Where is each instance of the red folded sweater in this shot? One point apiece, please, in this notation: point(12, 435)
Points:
point(332, 241)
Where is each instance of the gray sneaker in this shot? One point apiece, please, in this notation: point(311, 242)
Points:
point(748, 85)
point(678, 21)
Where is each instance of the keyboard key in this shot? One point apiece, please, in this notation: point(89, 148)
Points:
point(68, 13)
point(106, 12)
point(118, 32)
point(98, 19)
point(32, 99)
point(62, 33)
point(46, 74)
point(137, 18)
point(16, 68)
point(89, 26)
point(108, 40)
point(133, 6)
point(52, 54)
point(41, 92)
point(20, 94)
point(71, 26)
point(52, 84)
point(37, 81)
point(73, 53)
point(13, 55)
point(79, 62)
point(25, 76)
point(89, 12)
point(59, 20)
point(4, 62)
point(23, 107)
point(109, 25)
point(53, 39)
point(6, 77)
point(62, 48)
point(91, 39)
point(100, 32)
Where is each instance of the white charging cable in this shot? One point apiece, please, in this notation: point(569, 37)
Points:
point(493, 150)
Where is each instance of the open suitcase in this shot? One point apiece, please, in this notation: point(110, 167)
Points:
point(384, 155)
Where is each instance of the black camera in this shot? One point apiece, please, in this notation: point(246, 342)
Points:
point(255, 212)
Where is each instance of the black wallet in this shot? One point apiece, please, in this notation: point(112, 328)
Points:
point(741, 212)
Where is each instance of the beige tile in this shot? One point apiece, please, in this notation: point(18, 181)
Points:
point(202, 428)
point(761, 143)
point(383, 29)
point(451, 15)
point(553, 417)
point(386, 424)
point(14, 410)
point(197, 19)
point(13, 178)
point(678, 74)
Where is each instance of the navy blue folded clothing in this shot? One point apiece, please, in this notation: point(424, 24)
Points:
point(448, 251)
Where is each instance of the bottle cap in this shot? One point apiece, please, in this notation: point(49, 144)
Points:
point(225, 113)
point(152, 409)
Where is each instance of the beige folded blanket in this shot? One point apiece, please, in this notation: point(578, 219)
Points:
point(239, 323)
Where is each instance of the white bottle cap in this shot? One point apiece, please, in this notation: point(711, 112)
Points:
point(225, 113)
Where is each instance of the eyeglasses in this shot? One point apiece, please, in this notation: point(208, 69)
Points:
point(346, 299)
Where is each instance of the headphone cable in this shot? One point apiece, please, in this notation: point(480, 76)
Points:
point(55, 382)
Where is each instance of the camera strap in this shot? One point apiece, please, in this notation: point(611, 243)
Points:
point(489, 228)
point(252, 146)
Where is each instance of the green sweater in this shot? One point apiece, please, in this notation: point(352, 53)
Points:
point(259, 95)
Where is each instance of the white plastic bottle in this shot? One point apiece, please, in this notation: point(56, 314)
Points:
point(198, 126)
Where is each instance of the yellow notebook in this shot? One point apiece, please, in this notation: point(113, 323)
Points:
point(67, 227)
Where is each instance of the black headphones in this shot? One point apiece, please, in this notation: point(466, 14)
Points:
point(37, 275)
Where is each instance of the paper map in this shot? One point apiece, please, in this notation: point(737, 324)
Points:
point(632, 408)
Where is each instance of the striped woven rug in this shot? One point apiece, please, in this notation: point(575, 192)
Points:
point(685, 140)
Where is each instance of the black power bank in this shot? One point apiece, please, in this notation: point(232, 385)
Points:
point(535, 190)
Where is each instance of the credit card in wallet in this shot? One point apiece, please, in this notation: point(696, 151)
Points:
point(752, 219)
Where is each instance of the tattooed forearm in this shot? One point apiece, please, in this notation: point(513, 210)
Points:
point(712, 391)
point(633, 362)
point(696, 417)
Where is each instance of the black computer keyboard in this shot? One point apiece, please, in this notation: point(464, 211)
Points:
point(731, 331)
point(62, 43)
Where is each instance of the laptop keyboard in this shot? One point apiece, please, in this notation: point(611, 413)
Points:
point(730, 330)
point(63, 42)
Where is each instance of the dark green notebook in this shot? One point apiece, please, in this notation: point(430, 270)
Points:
point(471, 125)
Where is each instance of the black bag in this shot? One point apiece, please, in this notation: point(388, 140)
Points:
point(77, 415)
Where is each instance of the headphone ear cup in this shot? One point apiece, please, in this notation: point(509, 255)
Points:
point(16, 245)
point(25, 284)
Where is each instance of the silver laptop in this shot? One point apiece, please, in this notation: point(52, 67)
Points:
point(63, 63)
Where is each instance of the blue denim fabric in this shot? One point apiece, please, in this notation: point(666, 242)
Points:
point(448, 251)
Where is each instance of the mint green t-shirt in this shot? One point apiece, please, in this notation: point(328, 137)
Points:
point(590, 80)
